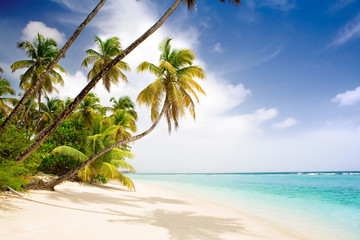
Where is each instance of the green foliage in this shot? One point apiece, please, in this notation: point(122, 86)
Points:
point(12, 174)
point(69, 133)
point(101, 179)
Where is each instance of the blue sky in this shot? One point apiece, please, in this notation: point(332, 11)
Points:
point(282, 78)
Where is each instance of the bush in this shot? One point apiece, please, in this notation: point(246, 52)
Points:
point(13, 174)
point(69, 133)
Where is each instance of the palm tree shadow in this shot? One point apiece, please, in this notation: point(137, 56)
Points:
point(156, 200)
point(6, 204)
point(87, 197)
point(188, 225)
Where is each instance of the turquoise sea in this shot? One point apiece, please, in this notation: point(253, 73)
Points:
point(319, 205)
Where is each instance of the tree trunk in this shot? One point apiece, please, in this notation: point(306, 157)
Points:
point(40, 139)
point(30, 92)
point(27, 111)
point(50, 185)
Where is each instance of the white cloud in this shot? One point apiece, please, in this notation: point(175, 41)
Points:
point(217, 48)
point(221, 139)
point(350, 31)
point(289, 122)
point(35, 27)
point(347, 98)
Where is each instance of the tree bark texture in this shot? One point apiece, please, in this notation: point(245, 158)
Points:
point(30, 92)
point(44, 135)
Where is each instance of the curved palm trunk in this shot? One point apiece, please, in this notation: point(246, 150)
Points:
point(30, 92)
point(50, 185)
point(40, 139)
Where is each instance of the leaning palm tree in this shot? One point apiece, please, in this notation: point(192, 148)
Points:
point(6, 89)
point(45, 134)
point(107, 50)
point(105, 166)
point(30, 92)
point(173, 89)
point(41, 53)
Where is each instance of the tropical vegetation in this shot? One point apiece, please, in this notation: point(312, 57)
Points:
point(47, 124)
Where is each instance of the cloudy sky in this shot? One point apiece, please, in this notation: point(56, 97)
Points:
point(283, 78)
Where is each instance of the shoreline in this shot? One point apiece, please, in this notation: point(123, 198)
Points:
point(86, 211)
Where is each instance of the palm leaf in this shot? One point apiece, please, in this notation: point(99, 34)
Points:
point(87, 173)
point(126, 182)
point(70, 152)
point(108, 170)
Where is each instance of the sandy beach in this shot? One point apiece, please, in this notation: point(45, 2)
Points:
point(108, 212)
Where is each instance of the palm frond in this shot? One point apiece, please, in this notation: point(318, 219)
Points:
point(87, 173)
point(126, 182)
point(108, 170)
point(70, 152)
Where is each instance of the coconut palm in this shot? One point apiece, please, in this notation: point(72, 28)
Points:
point(122, 122)
point(41, 53)
point(30, 92)
point(107, 50)
point(173, 89)
point(174, 82)
point(6, 89)
point(106, 166)
point(88, 109)
point(50, 109)
point(124, 104)
point(45, 134)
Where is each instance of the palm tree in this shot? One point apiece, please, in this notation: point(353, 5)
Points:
point(88, 109)
point(5, 89)
point(45, 134)
point(174, 81)
point(124, 104)
point(41, 53)
point(173, 88)
point(105, 166)
point(50, 110)
point(30, 92)
point(107, 50)
point(122, 122)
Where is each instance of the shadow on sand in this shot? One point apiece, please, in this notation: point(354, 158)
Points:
point(187, 225)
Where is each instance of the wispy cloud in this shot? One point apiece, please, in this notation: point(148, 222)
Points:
point(217, 48)
point(281, 5)
point(289, 122)
point(340, 4)
point(350, 31)
point(267, 58)
point(83, 6)
point(34, 27)
point(348, 98)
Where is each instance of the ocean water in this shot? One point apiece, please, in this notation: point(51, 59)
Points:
point(317, 205)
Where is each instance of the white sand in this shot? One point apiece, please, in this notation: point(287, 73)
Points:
point(107, 212)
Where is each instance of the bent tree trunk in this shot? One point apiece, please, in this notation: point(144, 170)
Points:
point(50, 185)
point(44, 135)
point(30, 92)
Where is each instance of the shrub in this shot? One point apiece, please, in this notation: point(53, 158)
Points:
point(13, 174)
